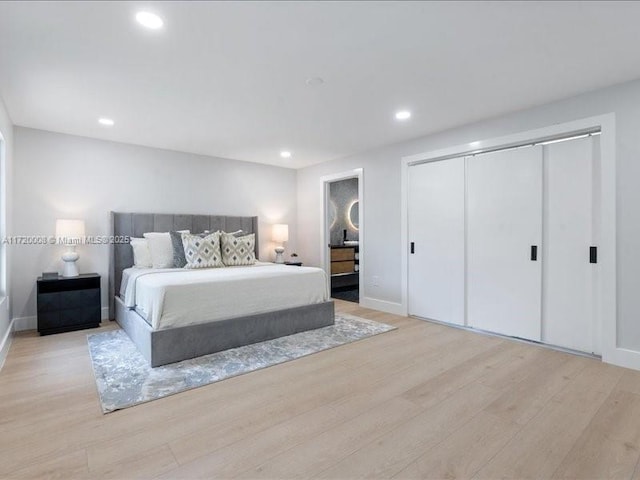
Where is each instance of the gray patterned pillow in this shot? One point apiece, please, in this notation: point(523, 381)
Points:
point(202, 252)
point(238, 250)
point(179, 259)
point(237, 233)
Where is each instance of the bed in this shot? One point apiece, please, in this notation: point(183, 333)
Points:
point(176, 314)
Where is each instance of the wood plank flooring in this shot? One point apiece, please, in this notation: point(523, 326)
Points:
point(423, 401)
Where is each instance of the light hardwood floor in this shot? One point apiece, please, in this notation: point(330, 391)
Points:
point(422, 401)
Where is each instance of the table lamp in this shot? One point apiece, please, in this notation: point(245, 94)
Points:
point(280, 234)
point(70, 233)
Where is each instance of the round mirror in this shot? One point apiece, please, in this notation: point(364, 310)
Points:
point(354, 214)
point(333, 214)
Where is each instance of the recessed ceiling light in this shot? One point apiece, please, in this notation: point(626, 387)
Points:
point(474, 144)
point(403, 115)
point(285, 154)
point(107, 122)
point(314, 81)
point(149, 20)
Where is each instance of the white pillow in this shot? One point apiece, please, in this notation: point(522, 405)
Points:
point(141, 253)
point(161, 248)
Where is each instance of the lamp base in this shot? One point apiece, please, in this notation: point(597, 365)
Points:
point(279, 257)
point(69, 258)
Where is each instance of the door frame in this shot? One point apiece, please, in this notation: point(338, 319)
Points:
point(325, 258)
point(607, 311)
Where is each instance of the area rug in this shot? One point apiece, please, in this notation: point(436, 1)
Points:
point(124, 378)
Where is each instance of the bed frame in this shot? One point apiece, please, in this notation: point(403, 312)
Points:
point(161, 347)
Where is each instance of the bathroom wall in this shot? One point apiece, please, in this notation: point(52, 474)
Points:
point(342, 195)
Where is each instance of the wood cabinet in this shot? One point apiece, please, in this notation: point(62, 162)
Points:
point(343, 260)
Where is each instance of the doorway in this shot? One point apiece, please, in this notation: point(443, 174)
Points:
point(342, 228)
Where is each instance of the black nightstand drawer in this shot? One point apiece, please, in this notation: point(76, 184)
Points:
point(80, 298)
point(66, 304)
point(80, 316)
point(48, 320)
point(67, 320)
point(64, 300)
point(48, 302)
point(83, 282)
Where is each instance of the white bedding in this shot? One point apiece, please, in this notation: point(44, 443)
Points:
point(174, 297)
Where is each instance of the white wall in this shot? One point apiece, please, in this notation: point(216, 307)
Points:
point(382, 195)
point(64, 176)
point(6, 130)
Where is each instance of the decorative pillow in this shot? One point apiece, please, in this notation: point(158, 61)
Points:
point(178, 250)
point(179, 260)
point(238, 250)
point(202, 252)
point(141, 253)
point(237, 233)
point(161, 249)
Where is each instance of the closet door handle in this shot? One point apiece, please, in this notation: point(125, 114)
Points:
point(593, 254)
point(413, 248)
point(534, 253)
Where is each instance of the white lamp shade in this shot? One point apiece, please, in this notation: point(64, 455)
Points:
point(70, 231)
point(280, 233)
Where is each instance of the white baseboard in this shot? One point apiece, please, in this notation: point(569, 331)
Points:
point(6, 344)
point(25, 323)
point(622, 357)
point(382, 305)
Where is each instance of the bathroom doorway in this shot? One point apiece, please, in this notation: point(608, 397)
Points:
point(343, 234)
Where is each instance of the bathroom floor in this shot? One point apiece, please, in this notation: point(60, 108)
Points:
point(351, 295)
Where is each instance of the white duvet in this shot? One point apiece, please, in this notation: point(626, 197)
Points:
point(174, 297)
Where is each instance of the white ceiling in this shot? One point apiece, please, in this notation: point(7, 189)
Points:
point(228, 79)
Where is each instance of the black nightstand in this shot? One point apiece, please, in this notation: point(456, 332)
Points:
point(295, 264)
point(66, 304)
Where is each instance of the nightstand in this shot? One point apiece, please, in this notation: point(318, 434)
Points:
point(68, 303)
point(295, 264)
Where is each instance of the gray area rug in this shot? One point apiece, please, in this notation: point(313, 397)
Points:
point(124, 378)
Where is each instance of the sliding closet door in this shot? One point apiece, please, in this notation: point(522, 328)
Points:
point(504, 201)
point(568, 275)
point(436, 231)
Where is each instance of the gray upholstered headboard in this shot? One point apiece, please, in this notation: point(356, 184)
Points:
point(136, 224)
